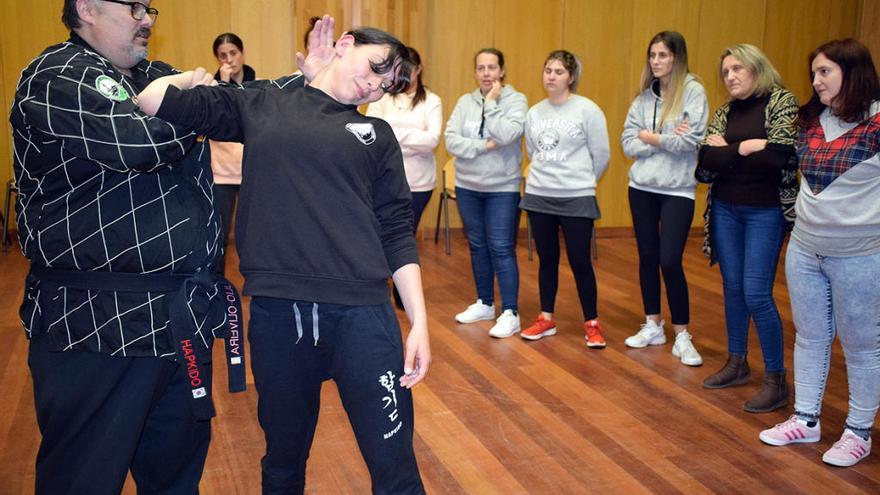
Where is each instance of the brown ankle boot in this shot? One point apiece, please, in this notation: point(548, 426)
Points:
point(735, 372)
point(773, 394)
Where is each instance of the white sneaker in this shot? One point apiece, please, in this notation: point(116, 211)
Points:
point(507, 325)
point(476, 312)
point(649, 333)
point(684, 350)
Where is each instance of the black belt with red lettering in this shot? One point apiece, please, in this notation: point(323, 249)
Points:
point(183, 325)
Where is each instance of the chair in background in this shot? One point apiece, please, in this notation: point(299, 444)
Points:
point(447, 194)
point(10, 190)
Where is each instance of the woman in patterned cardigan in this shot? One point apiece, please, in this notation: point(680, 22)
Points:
point(748, 157)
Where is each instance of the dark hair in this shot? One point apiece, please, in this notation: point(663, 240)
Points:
point(860, 86)
point(228, 38)
point(421, 94)
point(398, 57)
point(570, 62)
point(312, 21)
point(69, 16)
point(492, 51)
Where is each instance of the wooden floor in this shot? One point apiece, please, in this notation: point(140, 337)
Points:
point(510, 416)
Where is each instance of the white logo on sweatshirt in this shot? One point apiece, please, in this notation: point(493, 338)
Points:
point(548, 140)
point(364, 132)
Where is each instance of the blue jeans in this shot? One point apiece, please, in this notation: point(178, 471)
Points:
point(747, 240)
point(835, 295)
point(490, 226)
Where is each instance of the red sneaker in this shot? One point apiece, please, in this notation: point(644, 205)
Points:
point(594, 337)
point(542, 327)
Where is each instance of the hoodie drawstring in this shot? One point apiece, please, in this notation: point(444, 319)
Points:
point(299, 327)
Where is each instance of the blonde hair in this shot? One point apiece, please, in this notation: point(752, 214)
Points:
point(757, 63)
point(673, 101)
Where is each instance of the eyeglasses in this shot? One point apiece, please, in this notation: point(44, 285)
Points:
point(138, 10)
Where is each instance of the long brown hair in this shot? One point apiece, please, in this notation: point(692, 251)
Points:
point(421, 93)
point(860, 87)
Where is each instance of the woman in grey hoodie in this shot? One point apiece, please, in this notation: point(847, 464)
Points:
point(483, 134)
point(664, 125)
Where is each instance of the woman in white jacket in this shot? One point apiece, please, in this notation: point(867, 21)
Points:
point(416, 117)
point(483, 134)
point(417, 120)
point(664, 125)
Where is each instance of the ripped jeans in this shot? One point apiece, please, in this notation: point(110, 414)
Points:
point(835, 296)
point(295, 347)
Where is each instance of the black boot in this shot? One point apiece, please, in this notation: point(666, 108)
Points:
point(735, 372)
point(773, 394)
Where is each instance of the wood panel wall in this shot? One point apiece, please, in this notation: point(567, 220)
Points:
point(609, 37)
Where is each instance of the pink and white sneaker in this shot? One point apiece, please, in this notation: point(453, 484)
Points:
point(793, 430)
point(847, 451)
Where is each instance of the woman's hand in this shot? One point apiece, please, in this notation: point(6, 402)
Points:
point(417, 358)
point(225, 72)
point(495, 92)
point(716, 140)
point(750, 146)
point(649, 137)
point(320, 48)
point(682, 128)
point(417, 352)
point(200, 77)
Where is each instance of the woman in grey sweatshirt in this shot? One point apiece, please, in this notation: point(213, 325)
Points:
point(567, 140)
point(665, 123)
point(483, 134)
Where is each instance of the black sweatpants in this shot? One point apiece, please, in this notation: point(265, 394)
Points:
point(225, 197)
point(577, 232)
point(102, 415)
point(661, 223)
point(295, 346)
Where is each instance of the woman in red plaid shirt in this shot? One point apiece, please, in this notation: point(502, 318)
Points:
point(833, 260)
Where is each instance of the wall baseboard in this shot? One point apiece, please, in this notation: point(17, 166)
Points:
point(601, 232)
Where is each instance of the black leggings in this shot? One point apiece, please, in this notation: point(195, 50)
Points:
point(661, 223)
point(577, 232)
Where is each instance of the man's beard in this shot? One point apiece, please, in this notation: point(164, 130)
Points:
point(137, 51)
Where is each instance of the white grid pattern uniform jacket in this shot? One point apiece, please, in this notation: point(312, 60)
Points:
point(104, 187)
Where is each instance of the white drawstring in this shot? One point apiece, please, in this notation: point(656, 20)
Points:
point(299, 327)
